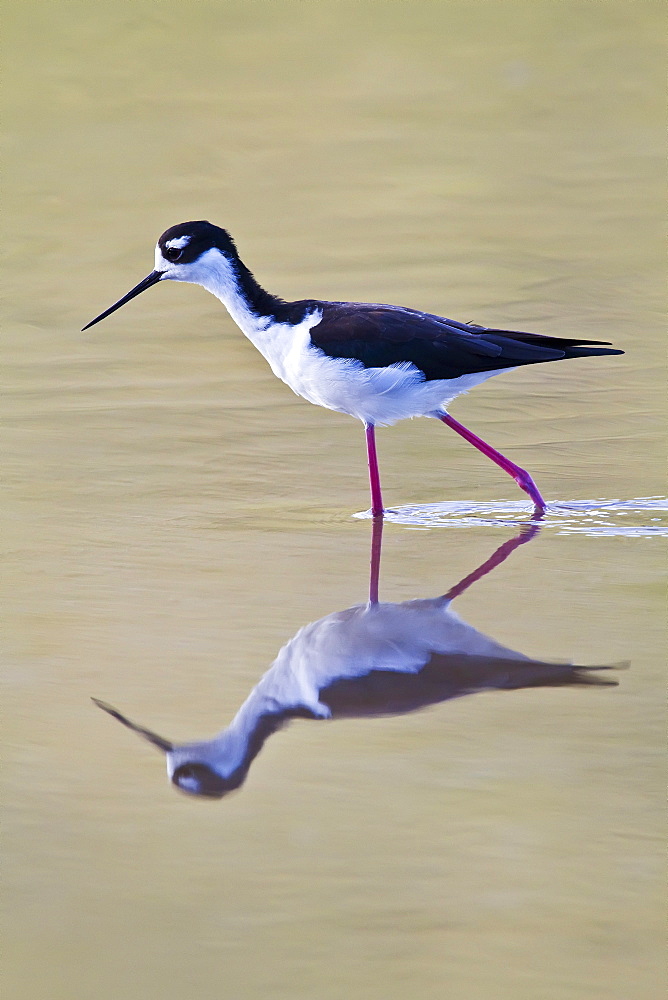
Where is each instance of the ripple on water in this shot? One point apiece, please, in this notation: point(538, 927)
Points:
point(641, 517)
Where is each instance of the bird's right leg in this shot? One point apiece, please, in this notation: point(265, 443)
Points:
point(521, 476)
point(374, 475)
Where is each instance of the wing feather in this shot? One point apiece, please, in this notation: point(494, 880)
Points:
point(379, 336)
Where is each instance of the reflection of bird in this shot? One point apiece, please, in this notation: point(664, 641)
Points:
point(379, 363)
point(369, 660)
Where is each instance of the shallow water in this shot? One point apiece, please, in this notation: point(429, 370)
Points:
point(175, 515)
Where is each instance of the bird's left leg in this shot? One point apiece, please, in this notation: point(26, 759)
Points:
point(374, 475)
point(521, 476)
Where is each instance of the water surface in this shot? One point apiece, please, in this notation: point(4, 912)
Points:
point(175, 515)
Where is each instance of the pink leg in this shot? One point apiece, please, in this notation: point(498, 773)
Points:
point(374, 476)
point(521, 477)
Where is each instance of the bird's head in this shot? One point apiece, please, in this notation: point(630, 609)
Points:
point(198, 252)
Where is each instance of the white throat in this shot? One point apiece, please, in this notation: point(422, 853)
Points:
point(214, 272)
point(285, 346)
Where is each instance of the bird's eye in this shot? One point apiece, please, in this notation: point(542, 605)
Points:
point(172, 253)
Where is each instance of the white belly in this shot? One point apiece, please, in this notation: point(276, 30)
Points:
point(378, 396)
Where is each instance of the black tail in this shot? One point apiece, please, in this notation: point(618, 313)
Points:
point(537, 674)
point(567, 347)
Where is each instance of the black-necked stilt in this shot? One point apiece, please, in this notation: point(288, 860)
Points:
point(379, 363)
point(372, 659)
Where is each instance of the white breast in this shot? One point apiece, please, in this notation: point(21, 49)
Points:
point(378, 396)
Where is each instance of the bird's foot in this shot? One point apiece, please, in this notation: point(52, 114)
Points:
point(526, 483)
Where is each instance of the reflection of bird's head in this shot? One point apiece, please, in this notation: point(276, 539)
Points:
point(196, 778)
point(209, 769)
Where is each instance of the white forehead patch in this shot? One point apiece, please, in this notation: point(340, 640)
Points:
point(178, 244)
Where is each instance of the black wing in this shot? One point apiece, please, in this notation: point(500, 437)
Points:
point(382, 335)
point(446, 676)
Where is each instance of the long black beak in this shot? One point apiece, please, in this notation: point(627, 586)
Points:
point(153, 738)
point(152, 279)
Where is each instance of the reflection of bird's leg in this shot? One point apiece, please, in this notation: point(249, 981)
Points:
point(376, 545)
point(526, 533)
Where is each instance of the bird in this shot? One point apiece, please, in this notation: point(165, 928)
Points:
point(378, 363)
point(377, 658)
